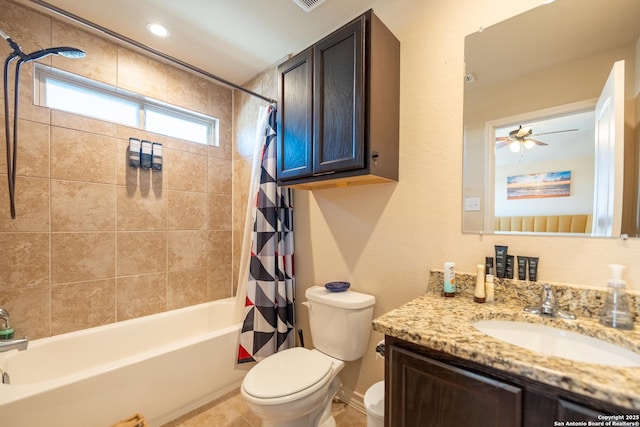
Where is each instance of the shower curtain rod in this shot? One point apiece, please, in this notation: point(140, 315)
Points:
point(146, 48)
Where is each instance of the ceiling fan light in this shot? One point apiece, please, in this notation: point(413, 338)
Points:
point(514, 146)
point(528, 144)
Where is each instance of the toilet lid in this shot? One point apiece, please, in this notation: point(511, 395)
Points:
point(286, 373)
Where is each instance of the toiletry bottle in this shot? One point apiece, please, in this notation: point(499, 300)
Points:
point(509, 267)
point(449, 279)
point(615, 311)
point(522, 267)
point(488, 267)
point(479, 293)
point(489, 288)
point(501, 261)
point(533, 268)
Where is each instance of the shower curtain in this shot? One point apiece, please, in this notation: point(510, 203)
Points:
point(268, 319)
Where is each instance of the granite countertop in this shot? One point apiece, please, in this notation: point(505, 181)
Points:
point(445, 324)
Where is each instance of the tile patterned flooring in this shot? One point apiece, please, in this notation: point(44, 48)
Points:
point(231, 411)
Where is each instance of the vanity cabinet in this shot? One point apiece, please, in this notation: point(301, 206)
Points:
point(338, 109)
point(425, 387)
point(426, 392)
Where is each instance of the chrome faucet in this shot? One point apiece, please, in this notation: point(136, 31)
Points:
point(19, 344)
point(4, 315)
point(549, 306)
point(11, 344)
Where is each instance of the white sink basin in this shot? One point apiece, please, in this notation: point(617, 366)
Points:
point(558, 342)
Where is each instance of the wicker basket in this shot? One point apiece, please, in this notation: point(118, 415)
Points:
point(135, 421)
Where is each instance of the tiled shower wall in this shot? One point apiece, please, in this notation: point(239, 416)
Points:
point(96, 241)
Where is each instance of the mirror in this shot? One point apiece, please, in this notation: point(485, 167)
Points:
point(532, 84)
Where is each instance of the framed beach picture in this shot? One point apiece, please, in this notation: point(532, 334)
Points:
point(539, 185)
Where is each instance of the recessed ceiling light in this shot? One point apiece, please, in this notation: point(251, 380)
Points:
point(158, 29)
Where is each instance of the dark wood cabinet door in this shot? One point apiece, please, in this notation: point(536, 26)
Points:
point(428, 393)
point(338, 100)
point(569, 411)
point(295, 116)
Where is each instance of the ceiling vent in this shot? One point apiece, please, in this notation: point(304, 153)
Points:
point(308, 5)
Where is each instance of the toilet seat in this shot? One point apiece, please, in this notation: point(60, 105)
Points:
point(295, 371)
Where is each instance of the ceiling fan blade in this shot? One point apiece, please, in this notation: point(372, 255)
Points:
point(557, 131)
point(538, 142)
point(503, 138)
point(503, 144)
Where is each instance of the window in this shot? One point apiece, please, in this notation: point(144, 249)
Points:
point(64, 91)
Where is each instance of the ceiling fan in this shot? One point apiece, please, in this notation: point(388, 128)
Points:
point(520, 137)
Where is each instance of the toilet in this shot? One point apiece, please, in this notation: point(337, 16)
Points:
point(295, 387)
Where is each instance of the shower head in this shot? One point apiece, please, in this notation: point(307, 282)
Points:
point(67, 52)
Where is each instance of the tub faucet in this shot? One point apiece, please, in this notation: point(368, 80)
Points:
point(549, 306)
point(4, 315)
point(19, 344)
point(10, 344)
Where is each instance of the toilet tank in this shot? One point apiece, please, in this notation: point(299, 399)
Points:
point(340, 321)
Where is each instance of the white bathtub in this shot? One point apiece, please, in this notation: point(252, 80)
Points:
point(160, 366)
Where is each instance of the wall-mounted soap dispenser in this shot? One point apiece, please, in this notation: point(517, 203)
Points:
point(615, 311)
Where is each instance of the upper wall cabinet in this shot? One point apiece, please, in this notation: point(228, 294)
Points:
point(338, 109)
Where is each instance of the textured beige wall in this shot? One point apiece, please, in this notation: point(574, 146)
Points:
point(96, 241)
point(385, 238)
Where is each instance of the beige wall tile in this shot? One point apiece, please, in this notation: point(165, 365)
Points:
point(225, 148)
point(187, 210)
point(236, 256)
point(32, 205)
point(220, 249)
point(187, 171)
point(220, 212)
point(187, 90)
point(222, 152)
point(31, 30)
point(33, 149)
point(80, 206)
point(139, 296)
point(100, 63)
point(86, 124)
point(186, 287)
point(126, 132)
point(219, 178)
point(188, 146)
point(242, 170)
point(141, 252)
point(82, 156)
point(220, 102)
point(138, 211)
point(187, 249)
point(239, 211)
point(219, 282)
point(246, 117)
point(141, 74)
point(24, 261)
point(30, 310)
point(82, 256)
point(82, 305)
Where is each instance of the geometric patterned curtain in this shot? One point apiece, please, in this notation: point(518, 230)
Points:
point(269, 319)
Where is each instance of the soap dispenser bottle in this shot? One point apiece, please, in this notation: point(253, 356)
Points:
point(616, 312)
